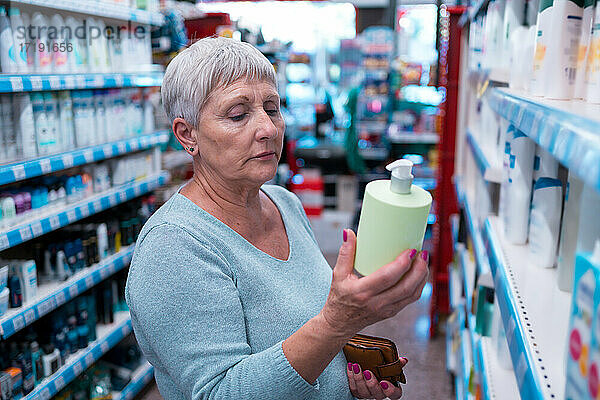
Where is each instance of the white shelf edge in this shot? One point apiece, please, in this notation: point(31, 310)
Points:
point(497, 382)
point(140, 378)
point(490, 171)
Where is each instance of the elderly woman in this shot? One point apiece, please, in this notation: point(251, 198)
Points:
point(230, 296)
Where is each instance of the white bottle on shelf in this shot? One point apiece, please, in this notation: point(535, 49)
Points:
point(514, 14)
point(542, 42)
point(593, 74)
point(585, 37)
point(7, 47)
point(568, 233)
point(519, 188)
point(23, 118)
point(589, 228)
point(544, 164)
point(19, 39)
point(31, 48)
point(65, 112)
point(561, 57)
point(544, 226)
point(8, 128)
point(103, 53)
point(149, 125)
point(77, 58)
point(60, 53)
point(42, 134)
point(50, 107)
point(42, 50)
point(100, 120)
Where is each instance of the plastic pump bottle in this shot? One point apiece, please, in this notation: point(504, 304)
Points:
point(393, 218)
point(7, 48)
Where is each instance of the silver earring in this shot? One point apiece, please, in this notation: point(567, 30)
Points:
point(191, 149)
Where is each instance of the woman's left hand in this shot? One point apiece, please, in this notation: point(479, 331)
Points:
point(364, 385)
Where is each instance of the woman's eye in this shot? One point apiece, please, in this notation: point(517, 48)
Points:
point(237, 118)
point(272, 112)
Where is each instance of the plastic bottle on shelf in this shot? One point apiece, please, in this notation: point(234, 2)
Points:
point(42, 52)
point(50, 107)
point(60, 53)
point(42, 134)
point(494, 34)
point(532, 7)
point(104, 57)
point(544, 226)
point(568, 233)
point(544, 165)
point(67, 130)
point(31, 48)
point(78, 57)
point(522, 151)
point(543, 27)
point(7, 127)
point(149, 125)
point(91, 117)
point(24, 125)
point(7, 47)
point(100, 121)
point(585, 37)
point(19, 39)
point(593, 74)
point(589, 228)
point(561, 57)
point(514, 15)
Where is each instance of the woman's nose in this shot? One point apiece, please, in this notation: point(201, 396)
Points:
point(266, 128)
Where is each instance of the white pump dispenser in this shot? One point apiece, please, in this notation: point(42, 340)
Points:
point(402, 177)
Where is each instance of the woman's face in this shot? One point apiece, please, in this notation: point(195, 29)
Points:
point(240, 132)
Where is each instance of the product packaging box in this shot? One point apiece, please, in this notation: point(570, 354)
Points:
point(583, 351)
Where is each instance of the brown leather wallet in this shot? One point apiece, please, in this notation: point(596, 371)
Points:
point(375, 354)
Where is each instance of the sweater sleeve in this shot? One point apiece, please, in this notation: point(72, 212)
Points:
point(184, 302)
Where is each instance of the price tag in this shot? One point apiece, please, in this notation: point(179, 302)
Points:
point(119, 80)
point(103, 273)
point(71, 216)
point(54, 82)
point(107, 150)
point(25, 233)
point(54, 222)
point(80, 81)
point(4, 244)
point(111, 269)
point(137, 191)
point(45, 394)
point(18, 323)
point(73, 291)
point(36, 228)
point(104, 347)
point(125, 330)
point(122, 147)
point(97, 205)
point(135, 145)
point(29, 316)
point(112, 200)
point(46, 306)
point(67, 160)
point(99, 81)
point(77, 368)
point(144, 141)
point(60, 298)
point(69, 82)
point(16, 84)
point(88, 155)
point(45, 166)
point(121, 197)
point(85, 210)
point(19, 172)
point(36, 82)
point(89, 359)
point(89, 281)
point(59, 382)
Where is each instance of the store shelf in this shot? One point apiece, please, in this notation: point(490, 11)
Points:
point(28, 169)
point(481, 258)
point(566, 129)
point(141, 377)
point(465, 356)
point(174, 159)
point(490, 170)
point(467, 270)
point(454, 288)
point(34, 83)
point(64, 216)
point(497, 75)
point(108, 337)
point(472, 12)
point(414, 138)
point(53, 295)
point(496, 382)
point(535, 315)
point(98, 9)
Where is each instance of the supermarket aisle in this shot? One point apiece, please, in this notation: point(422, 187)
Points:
point(426, 371)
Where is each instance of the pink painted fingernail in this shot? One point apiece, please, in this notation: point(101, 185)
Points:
point(345, 235)
point(349, 366)
point(425, 255)
point(405, 359)
point(356, 368)
point(412, 254)
point(384, 385)
point(367, 375)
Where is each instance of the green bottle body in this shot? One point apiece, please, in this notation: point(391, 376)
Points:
point(389, 224)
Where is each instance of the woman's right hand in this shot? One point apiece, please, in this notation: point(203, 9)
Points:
point(355, 303)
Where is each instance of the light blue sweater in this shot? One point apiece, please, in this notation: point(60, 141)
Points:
point(210, 311)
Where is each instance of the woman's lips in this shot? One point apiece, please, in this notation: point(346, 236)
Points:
point(265, 156)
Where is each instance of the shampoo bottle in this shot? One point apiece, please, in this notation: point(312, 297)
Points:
point(519, 188)
point(545, 221)
point(7, 47)
point(19, 39)
point(593, 62)
point(393, 218)
point(585, 37)
point(544, 25)
point(568, 233)
point(544, 165)
point(23, 118)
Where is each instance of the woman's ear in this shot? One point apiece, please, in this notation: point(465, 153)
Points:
point(186, 135)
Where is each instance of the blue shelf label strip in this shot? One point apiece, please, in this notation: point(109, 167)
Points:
point(33, 168)
point(521, 355)
point(480, 159)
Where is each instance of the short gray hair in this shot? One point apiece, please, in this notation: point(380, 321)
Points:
point(206, 65)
